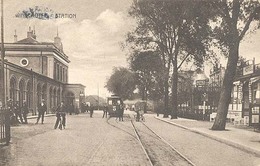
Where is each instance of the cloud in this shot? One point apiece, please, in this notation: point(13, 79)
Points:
point(95, 38)
point(250, 46)
point(93, 47)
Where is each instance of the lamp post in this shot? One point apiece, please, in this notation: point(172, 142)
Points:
point(98, 96)
point(2, 56)
point(81, 95)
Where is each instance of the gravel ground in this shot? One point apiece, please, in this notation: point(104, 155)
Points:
point(85, 141)
point(201, 150)
point(96, 141)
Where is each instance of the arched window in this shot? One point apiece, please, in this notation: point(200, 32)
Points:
point(51, 97)
point(54, 72)
point(58, 72)
point(39, 94)
point(54, 97)
point(29, 94)
point(13, 89)
point(44, 92)
point(61, 76)
point(58, 97)
point(21, 92)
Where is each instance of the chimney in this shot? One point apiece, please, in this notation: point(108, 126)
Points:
point(15, 36)
point(57, 42)
point(31, 33)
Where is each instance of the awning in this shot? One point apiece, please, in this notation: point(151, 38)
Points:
point(254, 79)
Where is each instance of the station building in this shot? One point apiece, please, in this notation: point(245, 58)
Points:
point(39, 70)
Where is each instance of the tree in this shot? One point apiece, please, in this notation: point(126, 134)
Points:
point(147, 66)
point(233, 19)
point(121, 82)
point(179, 29)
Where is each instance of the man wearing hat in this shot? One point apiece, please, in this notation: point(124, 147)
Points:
point(25, 111)
point(42, 108)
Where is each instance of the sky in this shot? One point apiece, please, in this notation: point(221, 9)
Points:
point(92, 39)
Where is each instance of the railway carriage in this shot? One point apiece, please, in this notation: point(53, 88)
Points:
point(114, 104)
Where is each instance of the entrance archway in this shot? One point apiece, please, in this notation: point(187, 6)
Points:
point(70, 101)
point(13, 89)
point(21, 93)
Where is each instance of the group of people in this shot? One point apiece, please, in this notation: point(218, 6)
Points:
point(86, 108)
point(119, 113)
point(18, 111)
point(60, 114)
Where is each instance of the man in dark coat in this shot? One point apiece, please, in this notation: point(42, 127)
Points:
point(17, 111)
point(25, 111)
point(61, 116)
point(10, 106)
point(105, 110)
point(42, 108)
point(91, 110)
point(121, 113)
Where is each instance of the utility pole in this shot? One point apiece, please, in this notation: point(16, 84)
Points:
point(2, 56)
point(98, 96)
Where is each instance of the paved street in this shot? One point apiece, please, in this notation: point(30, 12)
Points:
point(200, 149)
point(96, 141)
point(85, 141)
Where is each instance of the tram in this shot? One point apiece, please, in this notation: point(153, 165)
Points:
point(114, 104)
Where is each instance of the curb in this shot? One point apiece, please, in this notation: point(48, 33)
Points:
point(225, 141)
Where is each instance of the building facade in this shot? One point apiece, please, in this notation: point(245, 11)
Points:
point(39, 70)
point(245, 96)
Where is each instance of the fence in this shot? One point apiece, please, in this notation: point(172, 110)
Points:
point(191, 106)
point(5, 126)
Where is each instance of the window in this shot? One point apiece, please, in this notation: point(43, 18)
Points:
point(235, 94)
point(256, 92)
point(24, 62)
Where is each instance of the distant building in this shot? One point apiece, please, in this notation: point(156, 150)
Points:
point(216, 76)
point(39, 70)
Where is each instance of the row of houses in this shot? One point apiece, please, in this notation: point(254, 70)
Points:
point(39, 70)
point(198, 98)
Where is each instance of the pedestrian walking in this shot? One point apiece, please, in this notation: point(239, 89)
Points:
point(76, 110)
point(121, 113)
point(137, 115)
point(105, 110)
point(60, 116)
point(87, 108)
point(25, 111)
point(91, 111)
point(10, 106)
point(17, 111)
point(71, 108)
point(42, 108)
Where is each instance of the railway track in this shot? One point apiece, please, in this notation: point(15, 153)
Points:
point(123, 129)
point(158, 151)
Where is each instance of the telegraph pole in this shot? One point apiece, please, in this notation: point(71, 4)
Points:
point(98, 96)
point(2, 56)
